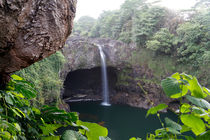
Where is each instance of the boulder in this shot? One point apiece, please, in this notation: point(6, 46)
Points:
point(31, 30)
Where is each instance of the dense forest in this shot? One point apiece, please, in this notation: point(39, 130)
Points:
point(178, 40)
point(45, 75)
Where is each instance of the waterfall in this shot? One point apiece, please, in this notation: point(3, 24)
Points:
point(105, 86)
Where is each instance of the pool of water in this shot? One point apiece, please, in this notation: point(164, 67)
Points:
point(122, 122)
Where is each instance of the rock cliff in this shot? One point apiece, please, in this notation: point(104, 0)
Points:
point(129, 83)
point(31, 30)
point(83, 53)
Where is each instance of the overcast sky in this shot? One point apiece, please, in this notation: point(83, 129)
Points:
point(94, 8)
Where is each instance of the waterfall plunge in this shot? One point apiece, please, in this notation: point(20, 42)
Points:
point(105, 86)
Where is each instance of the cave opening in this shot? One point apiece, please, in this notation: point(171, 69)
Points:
point(87, 83)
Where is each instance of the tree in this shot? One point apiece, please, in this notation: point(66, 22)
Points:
point(45, 76)
point(147, 21)
point(83, 26)
point(161, 42)
point(191, 42)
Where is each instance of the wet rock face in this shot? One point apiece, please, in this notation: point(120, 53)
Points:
point(135, 84)
point(31, 30)
point(87, 83)
point(83, 53)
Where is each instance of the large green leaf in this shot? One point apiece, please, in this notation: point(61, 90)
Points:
point(206, 90)
point(170, 86)
point(9, 99)
point(155, 109)
point(176, 76)
point(5, 135)
point(172, 130)
point(185, 108)
point(95, 130)
point(17, 126)
point(53, 113)
point(198, 101)
point(72, 135)
point(195, 123)
point(185, 129)
point(16, 77)
point(201, 113)
point(16, 112)
point(49, 128)
point(196, 89)
point(186, 76)
point(172, 124)
point(184, 90)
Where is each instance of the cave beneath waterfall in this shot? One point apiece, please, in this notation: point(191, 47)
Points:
point(84, 83)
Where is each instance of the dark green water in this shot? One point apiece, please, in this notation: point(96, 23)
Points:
point(123, 122)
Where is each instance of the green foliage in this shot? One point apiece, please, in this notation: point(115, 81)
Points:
point(72, 135)
point(108, 25)
point(191, 42)
point(195, 123)
point(188, 45)
point(92, 130)
point(20, 120)
point(135, 21)
point(45, 76)
point(155, 109)
point(162, 42)
point(167, 34)
point(83, 26)
point(192, 117)
point(147, 22)
point(198, 101)
point(171, 86)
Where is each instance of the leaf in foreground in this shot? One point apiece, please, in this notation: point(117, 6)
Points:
point(155, 109)
point(195, 123)
point(198, 101)
point(94, 130)
point(72, 135)
point(172, 124)
point(170, 86)
point(196, 89)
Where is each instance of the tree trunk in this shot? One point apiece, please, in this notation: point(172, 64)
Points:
point(31, 30)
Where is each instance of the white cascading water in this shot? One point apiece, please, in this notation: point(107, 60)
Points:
point(105, 86)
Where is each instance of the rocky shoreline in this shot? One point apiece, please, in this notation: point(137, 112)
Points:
point(130, 99)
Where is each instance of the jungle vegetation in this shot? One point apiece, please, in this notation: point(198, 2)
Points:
point(178, 38)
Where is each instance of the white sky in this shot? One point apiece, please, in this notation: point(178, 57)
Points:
point(94, 8)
